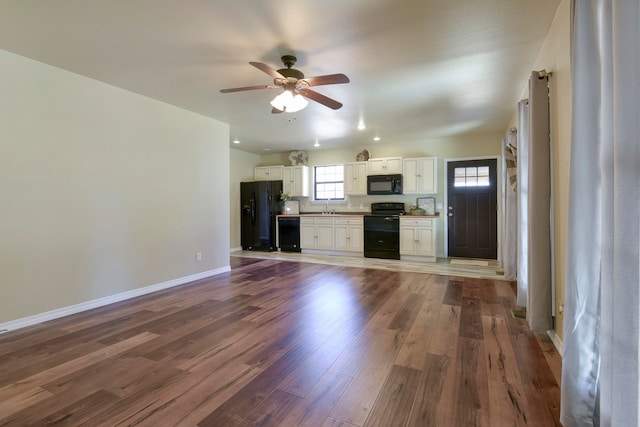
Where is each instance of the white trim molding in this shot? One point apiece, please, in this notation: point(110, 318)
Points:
point(555, 339)
point(88, 305)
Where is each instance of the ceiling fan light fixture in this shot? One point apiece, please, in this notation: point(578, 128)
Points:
point(288, 102)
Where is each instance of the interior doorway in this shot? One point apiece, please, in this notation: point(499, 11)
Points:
point(472, 208)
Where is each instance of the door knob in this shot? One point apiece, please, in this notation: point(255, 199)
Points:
point(450, 214)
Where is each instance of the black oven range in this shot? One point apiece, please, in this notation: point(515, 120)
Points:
point(382, 230)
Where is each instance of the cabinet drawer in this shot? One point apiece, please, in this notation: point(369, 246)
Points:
point(351, 221)
point(324, 221)
point(417, 222)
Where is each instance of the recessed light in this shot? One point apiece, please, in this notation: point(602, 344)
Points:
point(317, 144)
point(266, 149)
point(361, 126)
point(376, 138)
point(236, 141)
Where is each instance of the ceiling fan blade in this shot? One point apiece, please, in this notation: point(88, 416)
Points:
point(240, 89)
point(318, 97)
point(330, 79)
point(276, 111)
point(265, 68)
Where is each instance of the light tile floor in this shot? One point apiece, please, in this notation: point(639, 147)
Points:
point(443, 266)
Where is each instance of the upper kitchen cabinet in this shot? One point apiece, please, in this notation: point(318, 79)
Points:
point(420, 175)
point(296, 181)
point(384, 166)
point(355, 179)
point(268, 173)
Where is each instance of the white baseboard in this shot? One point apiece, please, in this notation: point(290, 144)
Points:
point(555, 339)
point(88, 305)
point(238, 249)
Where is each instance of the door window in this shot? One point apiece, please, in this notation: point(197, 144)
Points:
point(475, 176)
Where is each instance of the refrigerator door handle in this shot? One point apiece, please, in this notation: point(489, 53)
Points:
point(253, 208)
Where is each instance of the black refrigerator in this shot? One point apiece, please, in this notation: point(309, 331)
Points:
point(260, 203)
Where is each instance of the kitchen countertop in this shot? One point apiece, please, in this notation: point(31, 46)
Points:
point(339, 214)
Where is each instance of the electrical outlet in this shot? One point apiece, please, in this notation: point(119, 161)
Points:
point(199, 256)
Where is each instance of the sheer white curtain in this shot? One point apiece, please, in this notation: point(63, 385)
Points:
point(521, 200)
point(600, 366)
point(510, 211)
point(534, 198)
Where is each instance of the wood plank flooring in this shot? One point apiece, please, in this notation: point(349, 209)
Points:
point(282, 343)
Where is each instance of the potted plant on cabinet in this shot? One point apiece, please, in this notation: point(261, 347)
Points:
point(284, 197)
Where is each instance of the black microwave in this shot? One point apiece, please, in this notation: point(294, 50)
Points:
point(384, 184)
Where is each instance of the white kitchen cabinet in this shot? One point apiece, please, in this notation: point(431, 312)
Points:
point(295, 181)
point(355, 179)
point(268, 173)
point(418, 238)
point(384, 166)
point(316, 233)
point(349, 234)
point(420, 175)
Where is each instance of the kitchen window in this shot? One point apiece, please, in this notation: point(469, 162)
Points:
point(328, 182)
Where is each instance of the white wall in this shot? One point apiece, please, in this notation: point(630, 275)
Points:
point(102, 191)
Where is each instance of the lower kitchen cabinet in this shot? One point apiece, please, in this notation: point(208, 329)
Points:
point(418, 238)
point(349, 234)
point(316, 233)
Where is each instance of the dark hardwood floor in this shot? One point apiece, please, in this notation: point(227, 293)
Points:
point(278, 343)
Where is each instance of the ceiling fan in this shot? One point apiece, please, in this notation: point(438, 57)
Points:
point(295, 87)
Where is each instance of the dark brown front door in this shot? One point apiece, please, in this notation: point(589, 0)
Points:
point(472, 209)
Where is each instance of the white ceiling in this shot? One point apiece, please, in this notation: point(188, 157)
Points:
point(419, 69)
